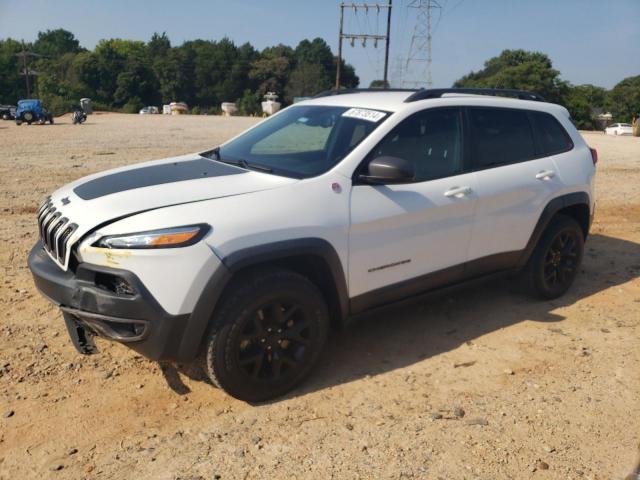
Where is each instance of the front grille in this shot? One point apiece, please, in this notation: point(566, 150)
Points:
point(55, 231)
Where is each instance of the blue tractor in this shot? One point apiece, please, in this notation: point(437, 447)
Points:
point(31, 111)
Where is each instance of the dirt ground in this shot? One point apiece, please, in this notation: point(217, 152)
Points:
point(484, 384)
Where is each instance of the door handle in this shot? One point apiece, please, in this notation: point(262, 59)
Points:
point(545, 175)
point(458, 192)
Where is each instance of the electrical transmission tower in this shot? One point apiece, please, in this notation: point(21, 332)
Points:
point(352, 37)
point(419, 57)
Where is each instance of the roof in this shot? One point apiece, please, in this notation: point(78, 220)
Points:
point(389, 101)
point(394, 101)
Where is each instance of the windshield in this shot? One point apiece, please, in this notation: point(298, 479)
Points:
point(302, 141)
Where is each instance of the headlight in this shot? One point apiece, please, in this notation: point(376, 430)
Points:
point(164, 238)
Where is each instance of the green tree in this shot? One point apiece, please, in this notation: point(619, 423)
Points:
point(159, 45)
point(348, 77)
point(623, 101)
point(55, 43)
point(59, 83)
point(12, 85)
point(379, 84)
point(126, 74)
point(272, 68)
point(582, 101)
point(249, 103)
point(137, 80)
point(314, 52)
point(519, 69)
point(306, 80)
point(172, 76)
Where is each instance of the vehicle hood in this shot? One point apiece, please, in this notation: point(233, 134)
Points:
point(112, 195)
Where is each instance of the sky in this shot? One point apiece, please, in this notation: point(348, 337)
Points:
point(589, 41)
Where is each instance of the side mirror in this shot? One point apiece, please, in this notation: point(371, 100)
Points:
point(389, 170)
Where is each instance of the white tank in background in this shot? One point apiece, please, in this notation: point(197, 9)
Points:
point(166, 109)
point(178, 108)
point(270, 106)
point(228, 108)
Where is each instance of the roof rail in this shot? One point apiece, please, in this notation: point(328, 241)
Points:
point(344, 91)
point(425, 94)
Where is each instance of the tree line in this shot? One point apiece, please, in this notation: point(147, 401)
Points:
point(127, 74)
point(534, 71)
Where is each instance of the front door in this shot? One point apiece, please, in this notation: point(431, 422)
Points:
point(409, 237)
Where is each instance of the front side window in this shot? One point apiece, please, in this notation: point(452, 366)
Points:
point(302, 141)
point(553, 137)
point(500, 137)
point(431, 139)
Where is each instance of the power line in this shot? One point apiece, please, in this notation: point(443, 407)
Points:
point(363, 37)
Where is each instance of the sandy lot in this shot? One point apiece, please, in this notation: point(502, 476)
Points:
point(483, 384)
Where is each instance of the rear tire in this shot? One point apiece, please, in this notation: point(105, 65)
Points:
point(556, 259)
point(266, 336)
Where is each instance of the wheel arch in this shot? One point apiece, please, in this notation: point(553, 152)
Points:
point(575, 205)
point(313, 258)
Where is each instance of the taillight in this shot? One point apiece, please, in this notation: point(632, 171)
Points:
point(594, 155)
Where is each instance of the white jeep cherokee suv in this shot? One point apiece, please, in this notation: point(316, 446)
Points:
point(242, 256)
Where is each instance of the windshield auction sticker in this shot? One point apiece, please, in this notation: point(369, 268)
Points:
point(364, 114)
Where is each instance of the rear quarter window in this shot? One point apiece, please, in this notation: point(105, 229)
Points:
point(552, 136)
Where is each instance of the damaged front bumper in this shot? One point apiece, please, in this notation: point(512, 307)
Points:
point(110, 303)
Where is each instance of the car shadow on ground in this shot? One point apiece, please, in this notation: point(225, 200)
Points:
point(397, 337)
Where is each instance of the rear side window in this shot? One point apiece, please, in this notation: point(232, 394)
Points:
point(500, 137)
point(553, 137)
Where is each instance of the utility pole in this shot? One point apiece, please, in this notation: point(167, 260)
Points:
point(386, 47)
point(339, 64)
point(352, 37)
point(420, 48)
point(24, 54)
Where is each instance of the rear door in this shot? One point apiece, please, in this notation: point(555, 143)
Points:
point(400, 234)
point(515, 181)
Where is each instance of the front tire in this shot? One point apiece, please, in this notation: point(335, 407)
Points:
point(556, 259)
point(267, 335)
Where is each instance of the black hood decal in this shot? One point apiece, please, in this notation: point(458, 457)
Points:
point(154, 175)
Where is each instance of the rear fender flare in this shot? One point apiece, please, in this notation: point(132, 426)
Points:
point(552, 208)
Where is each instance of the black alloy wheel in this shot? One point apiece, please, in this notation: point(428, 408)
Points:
point(560, 262)
point(266, 335)
point(273, 341)
point(555, 262)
